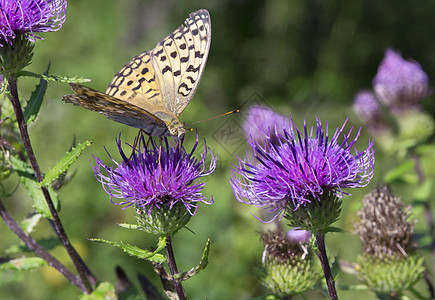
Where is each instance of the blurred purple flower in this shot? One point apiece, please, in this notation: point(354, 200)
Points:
point(263, 121)
point(301, 168)
point(25, 17)
point(298, 235)
point(400, 84)
point(157, 176)
point(367, 107)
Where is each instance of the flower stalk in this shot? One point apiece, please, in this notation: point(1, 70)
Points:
point(320, 240)
point(83, 271)
point(173, 268)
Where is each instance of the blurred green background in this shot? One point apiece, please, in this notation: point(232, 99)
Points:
point(307, 58)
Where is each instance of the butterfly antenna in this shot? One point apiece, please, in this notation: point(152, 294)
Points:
point(212, 118)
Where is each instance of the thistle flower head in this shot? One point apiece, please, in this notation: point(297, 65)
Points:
point(262, 121)
point(390, 263)
point(385, 228)
point(400, 84)
point(25, 17)
point(303, 166)
point(288, 267)
point(157, 177)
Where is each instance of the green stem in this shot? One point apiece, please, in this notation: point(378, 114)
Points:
point(82, 270)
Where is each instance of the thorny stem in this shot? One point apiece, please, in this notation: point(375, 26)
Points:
point(173, 268)
point(320, 240)
point(429, 220)
point(82, 270)
point(35, 247)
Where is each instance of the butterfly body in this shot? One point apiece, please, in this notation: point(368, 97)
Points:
point(154, 88)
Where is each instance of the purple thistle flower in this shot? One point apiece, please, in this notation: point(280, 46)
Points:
point(367, 107)
point(25, 17)
point(300, 168)
point(156, 176)
point(262, 121)
point(400, 84)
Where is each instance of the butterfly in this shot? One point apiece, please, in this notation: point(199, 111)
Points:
point(154, 88)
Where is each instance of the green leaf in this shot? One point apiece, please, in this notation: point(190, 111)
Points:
point(201, 265)
point(25, 172)
point(403, 173)
point(23, 264)
point(104, 291)
point(64, 164)
point(35, 101)
point(66, 79)
point(424, 191)
point(47, 244)
point(35, 192)
point(136, 251)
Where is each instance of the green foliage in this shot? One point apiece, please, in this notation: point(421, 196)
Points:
point(54, 78)
point(23, 264)
point(201, 265)
point(138, 252)
point(25, 172)
point(104, 291)
point(35, 101)
point(62, 166)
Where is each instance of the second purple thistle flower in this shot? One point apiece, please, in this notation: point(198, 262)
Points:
point(156, 176)
point(301, 167)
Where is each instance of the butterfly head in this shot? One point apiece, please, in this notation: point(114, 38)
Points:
point(177, 130)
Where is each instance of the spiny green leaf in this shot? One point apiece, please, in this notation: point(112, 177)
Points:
point(35, 101)
point(25, 172)
point(135, 251)
point(104, 291)
point(20, 165)
point(201, 265)
point(66, 79)
point(35, 192)
point(23, 264)
point(64, 164)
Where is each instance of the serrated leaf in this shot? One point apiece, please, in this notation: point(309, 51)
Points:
point(20, 166)
point(35, 192)
point(64, 164)
point(29, 223)
point(47, 244)
point(201, 265)
point(66, 79)
point(104, 291)
point(35, 101)
point(135, 251)
point(23, 264)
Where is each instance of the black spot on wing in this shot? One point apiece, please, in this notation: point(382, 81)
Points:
point(166, 69)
